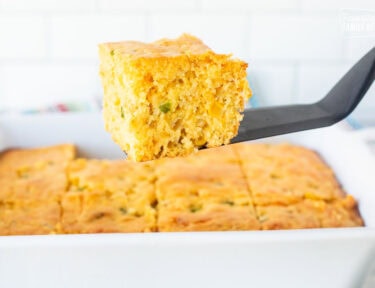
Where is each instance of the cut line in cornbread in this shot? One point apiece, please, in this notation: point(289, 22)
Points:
point(203, 193)
point(170, 97)
point(109, 196)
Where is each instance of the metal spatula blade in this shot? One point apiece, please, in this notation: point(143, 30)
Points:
point(339, 103)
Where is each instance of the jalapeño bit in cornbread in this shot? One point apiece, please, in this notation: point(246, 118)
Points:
point(170, 97)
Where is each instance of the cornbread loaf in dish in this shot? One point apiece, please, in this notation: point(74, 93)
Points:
point(234, 187)
point(32, 182)
point(170, 97)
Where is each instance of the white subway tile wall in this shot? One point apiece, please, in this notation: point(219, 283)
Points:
point(22, 37)
point(296, 49)
point(274, 80)
point(295, 37)
point(77, 37)
point(225, 33)
point(34, 85)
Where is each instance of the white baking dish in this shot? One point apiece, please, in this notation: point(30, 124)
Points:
point(301, 258)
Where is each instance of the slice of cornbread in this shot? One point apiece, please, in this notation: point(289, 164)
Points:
point(170, 97)
point(286, 174)
point(310, 213)
point(106, 196)
point(203, 193)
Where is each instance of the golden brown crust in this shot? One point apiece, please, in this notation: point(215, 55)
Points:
point(105, 196)
point(16, 158)
point(293, 216)
point(310, 214)
point(214, 217)
point(32, 182)
point(29, 217)
point(284, 174)
point(185, 44)
point(36, 174)
point(203, 192)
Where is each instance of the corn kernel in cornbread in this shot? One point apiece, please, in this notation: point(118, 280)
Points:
point(109, 196)
point(203, 193)
point(310, 213)
point(170, 97)
point(285, 174)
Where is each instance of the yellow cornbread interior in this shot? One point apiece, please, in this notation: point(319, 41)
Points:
point(48, 191)
point(170, 97)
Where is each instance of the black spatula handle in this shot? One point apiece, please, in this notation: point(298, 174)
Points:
point(339, 103)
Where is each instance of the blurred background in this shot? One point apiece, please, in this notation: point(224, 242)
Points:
point(296, 49)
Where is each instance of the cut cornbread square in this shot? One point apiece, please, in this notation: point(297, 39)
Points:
point(29, 217)
point(36, 174)
point(310, 213)
point(170, 97)
point(107, 196)
point(200, 195)
point(285, 174)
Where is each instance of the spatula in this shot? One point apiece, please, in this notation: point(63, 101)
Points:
point(339, 103)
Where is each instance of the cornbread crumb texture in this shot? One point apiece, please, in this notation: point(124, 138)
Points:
point(285, 174)
point(108, 196)
point(31, 184)
point(170, 97)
